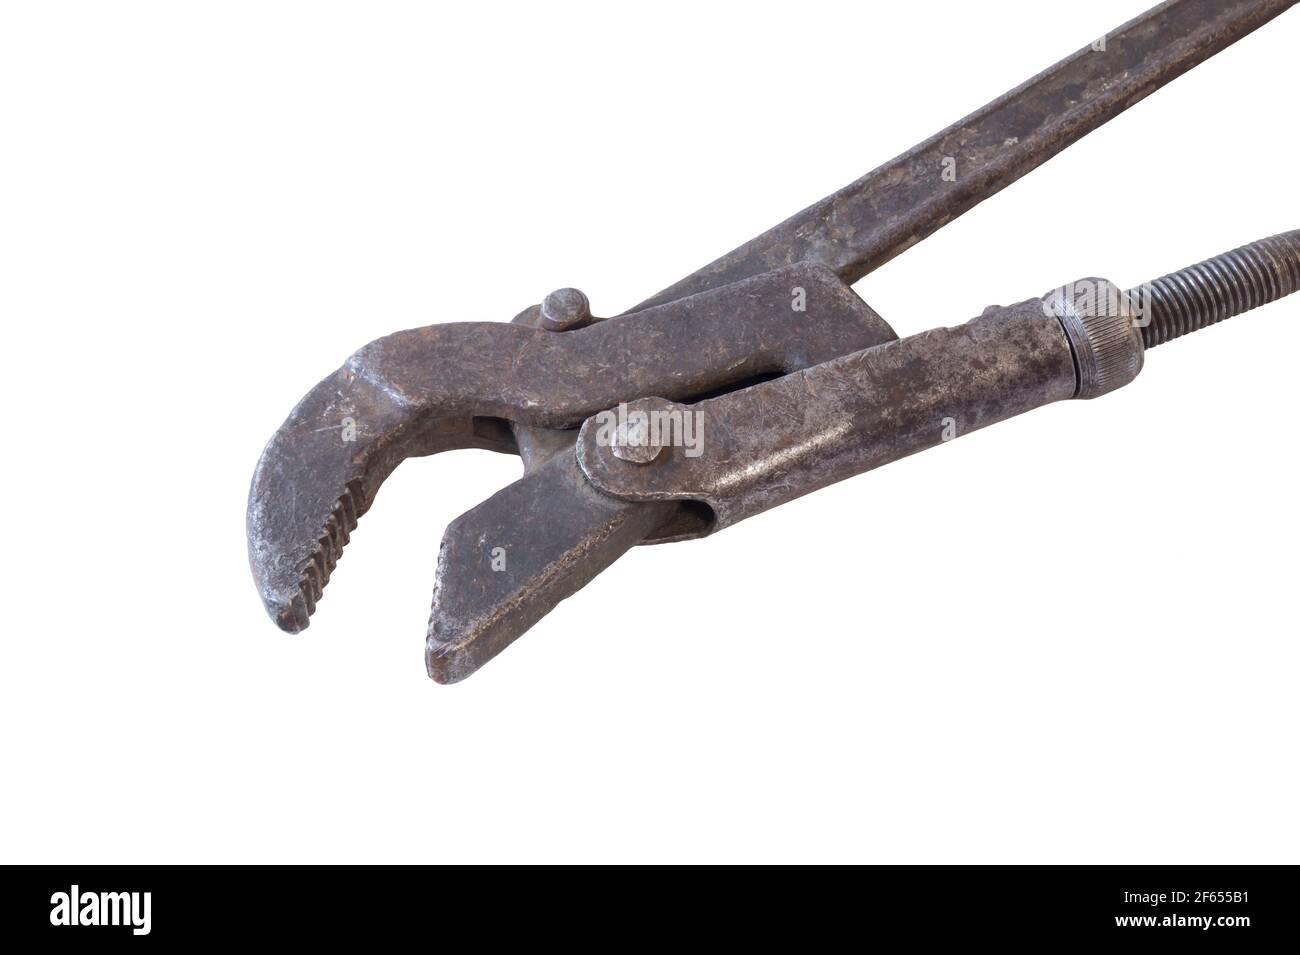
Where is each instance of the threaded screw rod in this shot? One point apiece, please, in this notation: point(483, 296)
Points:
point(1218, 288)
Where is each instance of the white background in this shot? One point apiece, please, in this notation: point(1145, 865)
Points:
point(205, 208)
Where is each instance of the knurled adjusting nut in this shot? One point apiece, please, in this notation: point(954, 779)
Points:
point(1101, 324)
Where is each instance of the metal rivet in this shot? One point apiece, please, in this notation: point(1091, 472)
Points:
point(564, 309)
point(633, 442)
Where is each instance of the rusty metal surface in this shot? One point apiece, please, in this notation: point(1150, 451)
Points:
point(847, 394)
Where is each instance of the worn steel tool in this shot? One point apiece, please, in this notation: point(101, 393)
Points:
point(757, 379)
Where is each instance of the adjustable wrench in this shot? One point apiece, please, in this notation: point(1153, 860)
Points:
point(786, 406)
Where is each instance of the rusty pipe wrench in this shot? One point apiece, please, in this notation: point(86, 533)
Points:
point(789, 406)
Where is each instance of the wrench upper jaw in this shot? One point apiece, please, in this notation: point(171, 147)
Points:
point(321, 470)
point(317, 476)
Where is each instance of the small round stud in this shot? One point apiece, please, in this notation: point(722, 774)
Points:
point(634, 442)
point(565, 309)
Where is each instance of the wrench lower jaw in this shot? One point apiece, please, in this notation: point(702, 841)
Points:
point(508, 562)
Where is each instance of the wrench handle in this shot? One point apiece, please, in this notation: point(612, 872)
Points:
point(888, 210)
